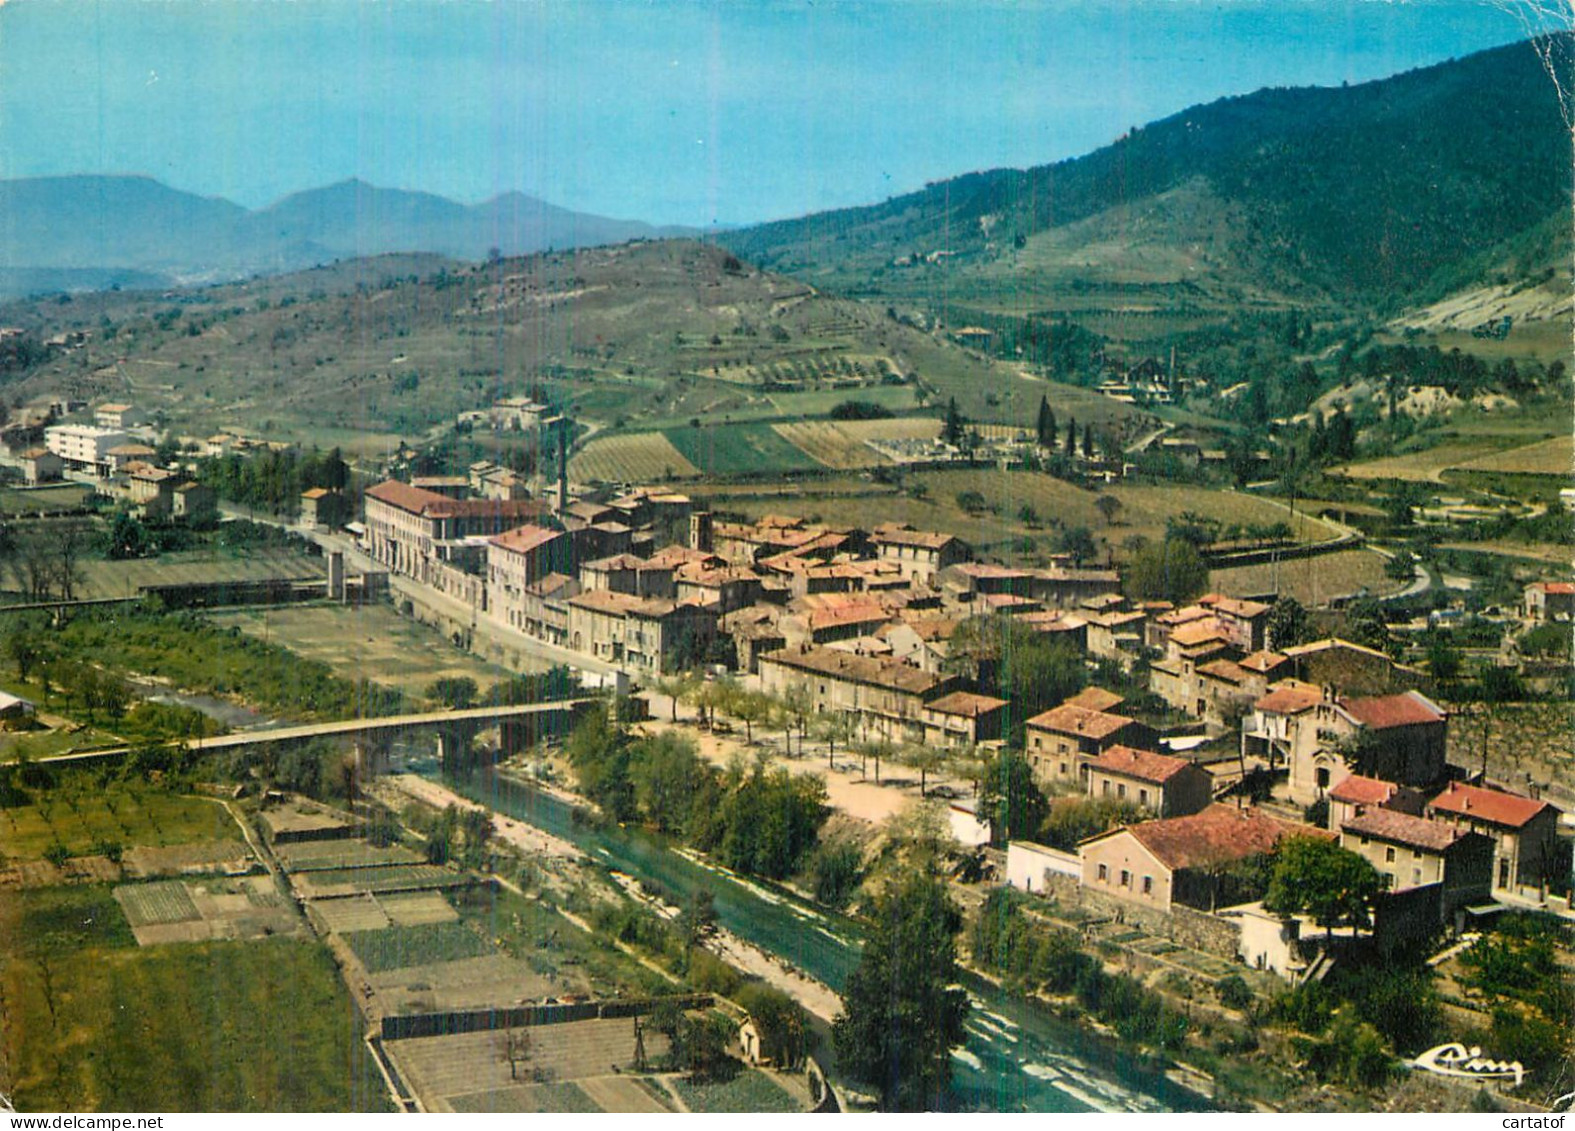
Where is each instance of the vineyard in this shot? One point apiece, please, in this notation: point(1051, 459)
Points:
point(641, 457)
point(821, 368)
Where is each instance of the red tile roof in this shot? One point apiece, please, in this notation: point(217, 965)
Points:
point(1563, 588)
point(524, 539)
point(1227, 670)
point(1357, 790)
point(1263, 661)
point(1095, 699)
point(1219, 835)
point(1507, 809)
point(1144, 765)
point(965, 703)
point(900, 535)
point(1409, 708)
point(1067, 719)
point(1402, 828)
point(1289, 697)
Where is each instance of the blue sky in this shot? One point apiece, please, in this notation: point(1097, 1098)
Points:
point(678, 112)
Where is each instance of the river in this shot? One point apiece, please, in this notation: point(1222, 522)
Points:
point(1017, 1057)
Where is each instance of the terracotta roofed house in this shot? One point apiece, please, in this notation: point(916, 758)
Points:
point(1164, 785)
point(1063, 740)
point(1181, 859)
point(1524, 831)
point(1411, 852)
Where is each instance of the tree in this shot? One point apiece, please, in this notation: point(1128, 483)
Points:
point(514, 1047)
point(780, 1021)
point(1077, 541)
point(1317, 877)
point(1010, 800)
point(953, 426)
point(1047, 424)
point(1286, 624)
point(835, 727)
point(666, 772)
point(1171, 570)
point(903, 1011)
point(798, 703)
point(1071, 436)
point(1401, 567)
point(926, 759)
point(1444, 661)
point(457, 692)
point(1108, 506)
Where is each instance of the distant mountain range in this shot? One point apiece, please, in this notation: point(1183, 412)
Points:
point(73, 232)
point(1362, 196)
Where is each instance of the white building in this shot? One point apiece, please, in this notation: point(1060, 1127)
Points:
point(84, 447)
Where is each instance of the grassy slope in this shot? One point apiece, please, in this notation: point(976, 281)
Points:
point(79, 814)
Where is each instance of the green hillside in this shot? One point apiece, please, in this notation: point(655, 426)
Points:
point(1355, 197)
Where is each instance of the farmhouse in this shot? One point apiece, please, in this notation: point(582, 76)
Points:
point(1548, 600)
point(40, 465)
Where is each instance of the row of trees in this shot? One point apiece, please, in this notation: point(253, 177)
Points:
point(273, 480)
point(749, 818)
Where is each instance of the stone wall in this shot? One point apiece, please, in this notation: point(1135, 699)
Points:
point(1183, 925)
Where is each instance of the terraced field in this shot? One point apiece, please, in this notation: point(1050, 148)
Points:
point(639, 457)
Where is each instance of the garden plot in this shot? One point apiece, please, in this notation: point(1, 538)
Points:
point(526, 1098)
point(395, 948)
point(349, 913)
point(394, 877)
point(190, 911)
point(466, 983)
point(323, 855)
point(418, 908)
point(472, 1065)
point(232, 857)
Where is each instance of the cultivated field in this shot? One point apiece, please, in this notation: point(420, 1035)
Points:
point(175, 911)
point(637, 457)
point(372, 641)
point(471, 1065)
point(40, 500)
point(82, 816)
point(399, 877)
point(468, 983)
point(307, 855)
point(749, 1091)
point(729, 449)
point(1425, 466)
point(261, 1025)
point(831, 444)
point(395, 948)
point(1550, 457)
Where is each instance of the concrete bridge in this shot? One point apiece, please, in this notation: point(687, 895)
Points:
point(456, 729)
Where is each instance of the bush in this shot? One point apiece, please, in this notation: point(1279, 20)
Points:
point(1234, 993)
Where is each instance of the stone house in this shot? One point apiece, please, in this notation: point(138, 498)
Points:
point(1165, 786)
point(1062, 741)
point(1524, 831)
